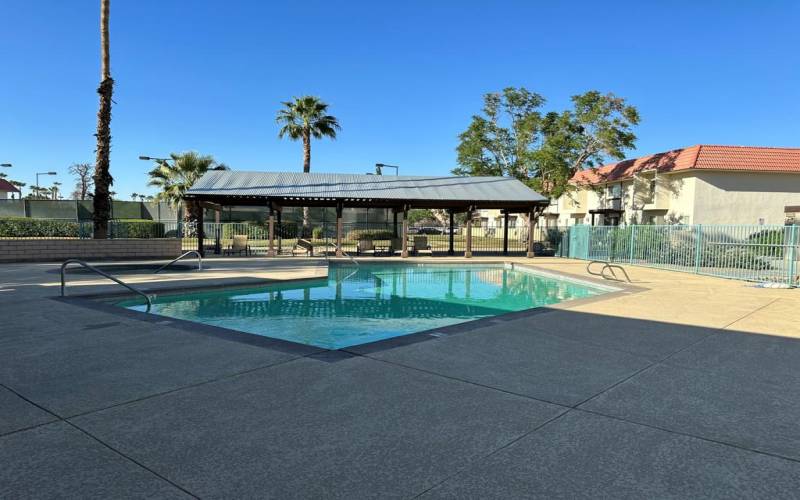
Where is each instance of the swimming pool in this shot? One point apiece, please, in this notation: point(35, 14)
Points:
point(360, 304)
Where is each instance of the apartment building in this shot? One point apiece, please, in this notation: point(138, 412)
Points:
point(702, 184)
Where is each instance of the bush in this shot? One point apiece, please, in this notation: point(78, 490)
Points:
point(369, 234)
point(22, 227)
point(768, 242)
point(138, 229)
point(318, 233)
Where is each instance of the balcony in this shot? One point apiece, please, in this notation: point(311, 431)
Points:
point(657, 201)
point(611, 204)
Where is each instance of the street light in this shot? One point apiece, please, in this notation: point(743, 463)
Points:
point(37, 179)
point(150, 158)
point(380, 166)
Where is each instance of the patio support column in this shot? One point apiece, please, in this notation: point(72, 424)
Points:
point(505, 232)
point(450, 250)
point(339, 209)
point(531, 222)
point(201, 234)
point(271, 251)
point(404, 247)
point(468, 249)
point(280, 233)
point(394, 225)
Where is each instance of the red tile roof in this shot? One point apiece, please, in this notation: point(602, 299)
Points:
point(7, 187)
point(700, 157)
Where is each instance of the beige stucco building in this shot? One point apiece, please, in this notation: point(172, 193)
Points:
point(696, 185)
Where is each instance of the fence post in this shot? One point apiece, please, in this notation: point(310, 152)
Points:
point(697, 247)
point(793, 244)
point(633, 242)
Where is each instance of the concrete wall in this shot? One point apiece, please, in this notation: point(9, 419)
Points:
point(43, 250)
point(744, 197)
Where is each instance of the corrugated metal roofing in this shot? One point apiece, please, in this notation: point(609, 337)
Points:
point(354, 186)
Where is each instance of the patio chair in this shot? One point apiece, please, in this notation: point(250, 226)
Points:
point(238, 245)
point(421, 246)
point(303, 246)
point(365, 247)
point(395, 246)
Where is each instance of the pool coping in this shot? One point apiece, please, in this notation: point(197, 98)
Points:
point(101, 302)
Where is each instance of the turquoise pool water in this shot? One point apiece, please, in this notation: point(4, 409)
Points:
point(356, 305)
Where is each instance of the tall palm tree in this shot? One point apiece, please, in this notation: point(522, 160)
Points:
point(176, 177)
point(102, 174)
point(303, 118)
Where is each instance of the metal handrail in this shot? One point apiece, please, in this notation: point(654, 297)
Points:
point(607, 266)
point(102, 273)
point(190, 252)
point(334, 245)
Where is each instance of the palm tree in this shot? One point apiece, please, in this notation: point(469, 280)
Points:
point(102, 174)
point(304, 118)
point(134, 196)
point(174, 179)
point(55, 190)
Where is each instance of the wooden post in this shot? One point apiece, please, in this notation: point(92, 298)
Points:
point(404, 252)
point(394, 226)
point(280, 231)
point(450, 249)
point(201, 234)
point(531, 222)
point(339, 229)
point(468, 249)
point(505, 232)
point(271, 251)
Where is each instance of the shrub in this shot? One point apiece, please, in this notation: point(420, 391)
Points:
point(318, 233)
point(138, 229)
point(768, 242)
point(22, 227)
point(369, 234)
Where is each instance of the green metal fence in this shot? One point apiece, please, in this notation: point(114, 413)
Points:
point(746, 252)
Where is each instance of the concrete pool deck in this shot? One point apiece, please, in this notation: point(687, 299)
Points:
point(687, 387)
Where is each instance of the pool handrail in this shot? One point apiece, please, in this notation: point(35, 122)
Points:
point(607, 266)
point(190, 252)
point(334, 245)
point(102, 273)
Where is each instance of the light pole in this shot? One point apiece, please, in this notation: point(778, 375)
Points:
point(150, 158)
point(37, 179)
point(380, 166)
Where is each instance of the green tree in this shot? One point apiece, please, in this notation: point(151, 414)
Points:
point(102, 173)
point(513, 138)
point(305, 118)
point(173, 178)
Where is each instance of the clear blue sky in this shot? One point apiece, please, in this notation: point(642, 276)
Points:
point(402, 77)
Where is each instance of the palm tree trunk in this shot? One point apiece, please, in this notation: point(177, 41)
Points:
point(102, 175)
point(306, 169)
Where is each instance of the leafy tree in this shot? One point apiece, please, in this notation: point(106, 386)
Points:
point(176, 177)
point(301, 119)
point(84, 183)
point(102, 174)
point(513, 138)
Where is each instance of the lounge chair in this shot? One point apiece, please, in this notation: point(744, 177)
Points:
point(303, 246)
point(421, 246)
point(365, 247)
point(396, 246)
point(238, 245)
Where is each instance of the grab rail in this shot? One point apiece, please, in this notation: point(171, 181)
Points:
point(112, 278)
point(607, 266)
point(190, 252)
point(334, 245)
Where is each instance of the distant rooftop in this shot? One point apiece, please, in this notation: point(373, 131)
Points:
point(699, 157)
point(380, 190)
point(7, 187)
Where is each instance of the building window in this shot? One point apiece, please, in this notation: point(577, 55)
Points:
point(512, 221)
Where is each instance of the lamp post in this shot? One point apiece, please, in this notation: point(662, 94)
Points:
point(380, 166)
point(151, 158)
point(37, 179)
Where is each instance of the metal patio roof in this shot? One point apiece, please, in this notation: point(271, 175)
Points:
point(221, 184)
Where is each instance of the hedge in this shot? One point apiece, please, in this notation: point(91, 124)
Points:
point(369, 234)
point(22, 227)
point(139, 229)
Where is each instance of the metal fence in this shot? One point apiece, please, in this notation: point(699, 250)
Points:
point(746, 252)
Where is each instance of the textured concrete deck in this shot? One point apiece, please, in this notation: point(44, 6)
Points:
point(689, 387)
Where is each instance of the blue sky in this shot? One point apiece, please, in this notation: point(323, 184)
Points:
point(402, 77)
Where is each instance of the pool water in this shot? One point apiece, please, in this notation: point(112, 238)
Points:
point(361, 304)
